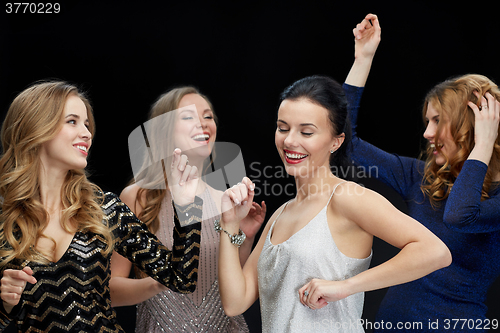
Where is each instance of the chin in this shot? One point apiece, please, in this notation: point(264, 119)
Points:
point(440, 160)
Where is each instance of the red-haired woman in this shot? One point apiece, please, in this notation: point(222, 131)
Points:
point(455, 193)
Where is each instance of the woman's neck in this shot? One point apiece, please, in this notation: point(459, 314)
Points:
point(51, 183)
point(314, 184)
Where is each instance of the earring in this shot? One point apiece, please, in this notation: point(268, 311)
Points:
point(331, 151)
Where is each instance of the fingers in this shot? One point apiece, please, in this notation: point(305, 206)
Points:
point(310, 296)
point(242, 193)
point(369, 24)
point(13, 283)
point(180, 163)
point(28, 275)
point(189, 173)
point(488, 108)
point(303, 294)
point(176, 159)
point(179, 160)
point(493, 106)
point(19, 277)
point(239, 193)
point(263, 208)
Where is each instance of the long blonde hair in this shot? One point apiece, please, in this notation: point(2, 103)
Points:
point(150, 198)
point(34, 117)
point(450, 100)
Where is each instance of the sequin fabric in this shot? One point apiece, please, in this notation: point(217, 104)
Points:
point(72, 294)
point(284, 268)
point(450, 299)
point(202, 310)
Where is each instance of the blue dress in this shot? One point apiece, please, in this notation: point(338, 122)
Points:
point(450, 299)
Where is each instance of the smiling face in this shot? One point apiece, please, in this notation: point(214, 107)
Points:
point(195, 130)
point(445, 147)
point(68, 150)
point(304, 137)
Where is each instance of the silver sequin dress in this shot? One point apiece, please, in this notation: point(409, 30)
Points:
point(202, 310)
point(284, 268)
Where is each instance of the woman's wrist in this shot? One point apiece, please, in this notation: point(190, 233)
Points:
point(236, 238)
point(482, 152)
point(7, 307)
point(229, 227)
point(359, 71)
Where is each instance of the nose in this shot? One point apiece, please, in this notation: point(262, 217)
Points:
point(85, 133)
point(201, 123)
point(430, 131)
point(290, 140)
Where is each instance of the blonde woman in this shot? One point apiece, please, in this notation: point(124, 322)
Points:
point(455, 193)
point(58, 230)
point(181, 118)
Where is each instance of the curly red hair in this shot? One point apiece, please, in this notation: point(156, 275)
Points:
point(450, 99)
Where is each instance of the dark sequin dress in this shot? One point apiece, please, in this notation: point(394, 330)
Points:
point(72, 294)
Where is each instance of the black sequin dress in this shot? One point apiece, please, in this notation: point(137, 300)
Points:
point(72, 294)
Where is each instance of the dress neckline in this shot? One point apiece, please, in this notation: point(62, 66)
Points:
point(270, 233)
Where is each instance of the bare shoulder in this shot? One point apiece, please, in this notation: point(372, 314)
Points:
point(129, 197)
point(353, 199)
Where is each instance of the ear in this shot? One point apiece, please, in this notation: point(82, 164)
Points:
point(337, 142)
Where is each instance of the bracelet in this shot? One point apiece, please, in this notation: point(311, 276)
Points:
point(236, 239)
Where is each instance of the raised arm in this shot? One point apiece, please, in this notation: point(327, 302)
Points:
point(464, 210)
point(367, 37)
point(400, 173)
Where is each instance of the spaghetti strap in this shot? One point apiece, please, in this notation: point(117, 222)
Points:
point(282, 209)
point(331, 195)
point(277, 217)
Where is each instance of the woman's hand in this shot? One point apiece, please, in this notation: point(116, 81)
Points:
point(183, 179)
point(12, 286)
point(367, 37)
point(487, 117)
point(252, 223)
point(236, 203)
point(317, 293)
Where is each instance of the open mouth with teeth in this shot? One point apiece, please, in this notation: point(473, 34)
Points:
point(433, 146)
point(294, 157)
point(204, 137)
point(83, 149)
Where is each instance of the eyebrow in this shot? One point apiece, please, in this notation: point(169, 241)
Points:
point(433, 118)
point(303, 124)
point(188, 110)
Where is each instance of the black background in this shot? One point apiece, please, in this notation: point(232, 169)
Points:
point(241, 55)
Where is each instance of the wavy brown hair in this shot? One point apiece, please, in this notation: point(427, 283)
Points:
point(35, 117)
point(450, 100)
point(152, 179)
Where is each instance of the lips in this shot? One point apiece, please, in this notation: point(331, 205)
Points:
point(433, 146)
point(82, 147)
point(203, 137)
point(293, 157)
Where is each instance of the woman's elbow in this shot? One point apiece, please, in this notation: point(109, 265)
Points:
point(231, 311)
point(441, 256)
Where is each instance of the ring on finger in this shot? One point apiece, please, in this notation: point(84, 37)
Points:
point(306, 293)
